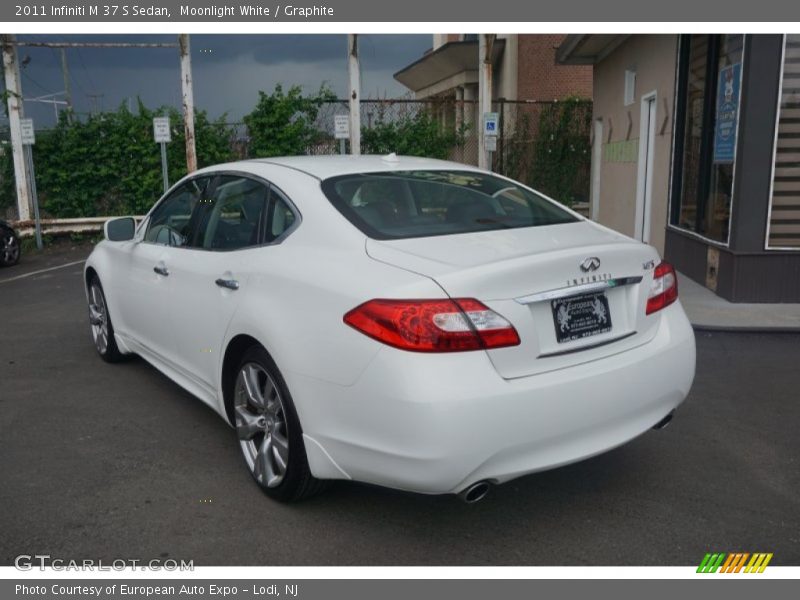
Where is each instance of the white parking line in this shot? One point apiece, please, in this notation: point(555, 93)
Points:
point(24, 275)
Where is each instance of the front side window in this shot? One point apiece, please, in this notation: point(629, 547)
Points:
point(171, 222)
point(710, 70)
point(234, 217)
point(408, 204)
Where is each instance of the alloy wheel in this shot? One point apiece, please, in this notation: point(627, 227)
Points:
point(98, 318)
point(261, 424)
point(10, 249)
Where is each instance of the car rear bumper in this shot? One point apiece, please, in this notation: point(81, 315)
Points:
point(438, 423)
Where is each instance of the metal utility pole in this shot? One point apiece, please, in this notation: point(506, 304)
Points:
point(15, 113)
point(67, 88)
point(485, 46)
point(355, 94)
point(188, 101)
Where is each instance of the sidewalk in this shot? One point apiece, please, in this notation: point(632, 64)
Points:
point(708, 311)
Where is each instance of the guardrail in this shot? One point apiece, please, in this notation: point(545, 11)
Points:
point(582, 208)
point(59, 226)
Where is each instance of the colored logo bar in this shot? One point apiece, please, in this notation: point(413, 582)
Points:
point(734, 562)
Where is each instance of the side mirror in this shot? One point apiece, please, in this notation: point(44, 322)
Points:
point(121, 229)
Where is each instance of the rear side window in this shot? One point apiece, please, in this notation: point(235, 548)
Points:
point(408, 204)
point(280, 217)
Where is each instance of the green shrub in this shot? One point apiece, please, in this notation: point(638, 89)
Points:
point(284, 123)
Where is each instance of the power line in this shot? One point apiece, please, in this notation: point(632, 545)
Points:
point(36, 83)
point(55, 57)
point(85, 70)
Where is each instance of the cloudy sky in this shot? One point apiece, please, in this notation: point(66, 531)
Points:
point(228, 69)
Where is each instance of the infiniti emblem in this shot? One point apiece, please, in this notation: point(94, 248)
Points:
point(590, 264)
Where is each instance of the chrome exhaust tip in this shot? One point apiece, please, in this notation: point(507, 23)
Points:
point(662, 424)
point(475, 493)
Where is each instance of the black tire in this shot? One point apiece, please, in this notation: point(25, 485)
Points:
point(10, 249)
point(297, 481)
point(108, 351)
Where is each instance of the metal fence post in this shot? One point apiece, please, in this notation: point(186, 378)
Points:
point(164, 166)
point(502, 140)
point(34, 196)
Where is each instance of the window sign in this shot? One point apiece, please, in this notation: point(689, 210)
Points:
point(727, 114)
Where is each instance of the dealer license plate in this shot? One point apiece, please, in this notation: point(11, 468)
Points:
point(581, 316)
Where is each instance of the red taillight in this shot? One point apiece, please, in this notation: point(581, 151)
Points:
point(433, 325)
point(664, 289)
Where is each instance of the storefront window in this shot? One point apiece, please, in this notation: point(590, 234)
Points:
point(707, 121)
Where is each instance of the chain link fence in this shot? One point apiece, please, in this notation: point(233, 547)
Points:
point(546, 145)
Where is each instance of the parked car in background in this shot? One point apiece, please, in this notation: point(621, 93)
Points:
point(9, 245)
point(407, 322)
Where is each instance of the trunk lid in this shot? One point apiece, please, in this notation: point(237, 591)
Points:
point(528, 274)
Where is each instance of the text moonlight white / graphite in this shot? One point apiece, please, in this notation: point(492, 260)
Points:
point(220, 11)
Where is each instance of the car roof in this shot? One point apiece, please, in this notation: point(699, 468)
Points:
point(323, 167)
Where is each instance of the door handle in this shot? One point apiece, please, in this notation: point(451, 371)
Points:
point(161, 270)
point(231, 284)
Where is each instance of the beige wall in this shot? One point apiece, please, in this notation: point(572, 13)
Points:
point(654, 59)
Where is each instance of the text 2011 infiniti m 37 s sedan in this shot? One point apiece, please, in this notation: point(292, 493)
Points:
point(411, 323)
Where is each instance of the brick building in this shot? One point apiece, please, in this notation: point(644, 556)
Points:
point(525, 68)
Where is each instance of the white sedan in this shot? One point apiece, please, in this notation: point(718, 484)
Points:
point(407, 322)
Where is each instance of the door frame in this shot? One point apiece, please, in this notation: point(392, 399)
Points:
point(644, 171)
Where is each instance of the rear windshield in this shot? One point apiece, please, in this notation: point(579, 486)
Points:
point(408, 204)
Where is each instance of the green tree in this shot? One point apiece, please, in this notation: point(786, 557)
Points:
point(284, 123)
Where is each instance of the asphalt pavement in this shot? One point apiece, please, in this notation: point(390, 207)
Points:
point(115, 461)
